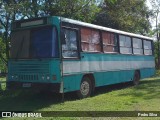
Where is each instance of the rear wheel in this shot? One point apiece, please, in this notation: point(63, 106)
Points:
point(136, 78)
point(85, 88)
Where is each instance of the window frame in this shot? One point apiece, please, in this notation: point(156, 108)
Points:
point(148, 49)
point(78, 38)
point(138, 48)
point(30, 47)
point(100, 40)
point(117, 45)
point(125, 46)
point(38, 28)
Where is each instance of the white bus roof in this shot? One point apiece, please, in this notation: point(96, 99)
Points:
point(103, 28)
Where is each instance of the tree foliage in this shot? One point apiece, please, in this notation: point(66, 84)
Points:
point(156, 29)
point(84, 10)
point(156, 53)
point(12, 10)
point(2, 55)
point(127, 15)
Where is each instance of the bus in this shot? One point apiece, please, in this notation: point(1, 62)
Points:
point(64, 55)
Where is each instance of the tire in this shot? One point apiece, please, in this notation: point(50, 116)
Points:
point(136, 78)
point(85, 88)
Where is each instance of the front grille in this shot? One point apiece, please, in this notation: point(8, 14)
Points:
point(28, 77)
point(28, 70)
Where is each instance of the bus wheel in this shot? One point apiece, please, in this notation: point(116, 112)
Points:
point(136, 78)
point(85, 88)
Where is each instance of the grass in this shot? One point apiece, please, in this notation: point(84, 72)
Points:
point(2, 83)
point(121, 97)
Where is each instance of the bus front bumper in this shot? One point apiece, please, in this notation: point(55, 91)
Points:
point(14, 85)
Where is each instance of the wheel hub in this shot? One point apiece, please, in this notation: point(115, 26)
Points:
point(85, 88)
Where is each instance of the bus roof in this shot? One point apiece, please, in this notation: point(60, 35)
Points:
point(103, 28)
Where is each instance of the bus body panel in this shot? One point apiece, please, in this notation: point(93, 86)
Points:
point(106, 62)
point(34, 71)
point(106, 68)
point(72, 82)
point(147, 72)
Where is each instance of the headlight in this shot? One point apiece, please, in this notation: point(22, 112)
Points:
point(54, 77)
point(48, 77)
point(43, 77)
point(12, 76)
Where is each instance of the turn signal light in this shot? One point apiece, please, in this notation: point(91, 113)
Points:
point(54, 77)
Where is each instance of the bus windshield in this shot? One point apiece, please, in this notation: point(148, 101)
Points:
point(34, 43)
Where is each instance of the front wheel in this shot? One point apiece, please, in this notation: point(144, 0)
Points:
point(85, 88)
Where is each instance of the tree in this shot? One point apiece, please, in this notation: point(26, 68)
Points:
point(84, 10)
point(2, 55)
point(9, 12)
point(12, 10)
point(156, 11)
point(127, 15)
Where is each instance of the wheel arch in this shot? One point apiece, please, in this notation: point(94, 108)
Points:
point(138, 70)
point(137, 77)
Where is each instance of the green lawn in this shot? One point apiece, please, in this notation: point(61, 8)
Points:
point(123, 97)
point(2, 83)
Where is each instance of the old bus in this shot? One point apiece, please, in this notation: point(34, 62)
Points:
point(63, 55)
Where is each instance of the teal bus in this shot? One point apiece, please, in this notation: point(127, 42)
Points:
point(64, 55)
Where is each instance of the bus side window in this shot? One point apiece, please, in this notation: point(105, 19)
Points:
point(109, 42)
point(90, 40)
point(147, 47)
point(125, 44)
point(137, 46)
point(69, 46)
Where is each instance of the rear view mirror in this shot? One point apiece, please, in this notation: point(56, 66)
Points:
point(63, 37)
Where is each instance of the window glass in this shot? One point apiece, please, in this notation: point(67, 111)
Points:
point(137, 46)
point(110, 48)
point(137, 43)
point(122, 40)
point(20, 44)
point(137, 51)
point(147, 47)
point(85, 35)
point(125, 41)
point(109, 38)
point(69, 49)
point(147, 44)
point(106, 38)
point(125, 44)
point(90, 40)
point(128, 42)
point(148, 52)
point(34, 43)
point(109, 42)
point(125, 50)
point(44, 43)
point(85, 46)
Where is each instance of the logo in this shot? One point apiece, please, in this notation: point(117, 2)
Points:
point(6, 114)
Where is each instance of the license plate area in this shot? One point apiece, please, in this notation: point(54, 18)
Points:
point(26, 85)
